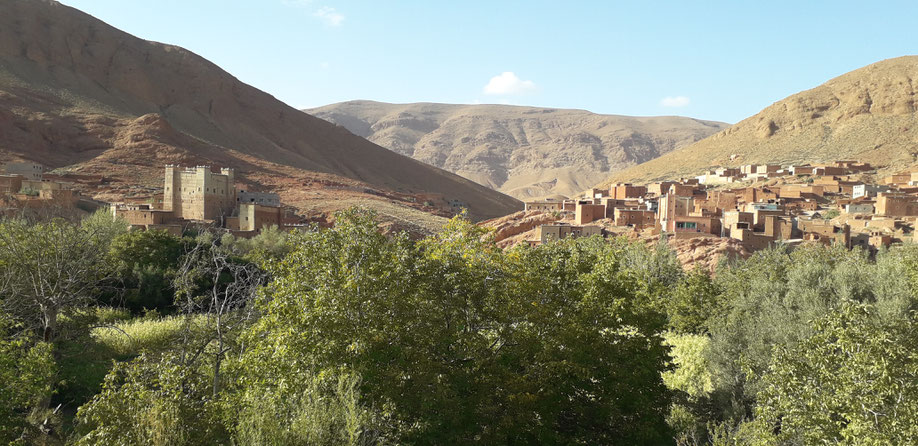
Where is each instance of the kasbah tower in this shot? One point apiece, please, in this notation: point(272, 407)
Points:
point(199, 193)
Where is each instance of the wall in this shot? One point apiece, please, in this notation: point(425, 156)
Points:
point(633, 217)
point(705, 225)
point(543, 206)
point(623, 191)
point(749, 239)
point(896, 205)
point(254, 217)
point(145, 216)
point(587, 213)
point(10, 184)
point(262, 198)
point(546, 233)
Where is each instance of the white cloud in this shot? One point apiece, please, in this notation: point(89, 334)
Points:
point(508, 83)
point(324, 65)
point(675, 101)
point(328, 15)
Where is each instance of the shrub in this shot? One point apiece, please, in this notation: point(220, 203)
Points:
point(26, 381)
point(327, 410)
point(152, 401)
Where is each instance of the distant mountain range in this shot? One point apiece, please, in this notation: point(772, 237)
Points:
point(868, 114)
point(525, 152)
point(81, 96)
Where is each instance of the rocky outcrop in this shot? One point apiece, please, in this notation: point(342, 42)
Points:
point(705, 252)
point(504, 228)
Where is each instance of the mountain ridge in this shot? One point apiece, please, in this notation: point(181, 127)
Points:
point(523, 151)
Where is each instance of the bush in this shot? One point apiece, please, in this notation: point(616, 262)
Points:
point(327, 410)
point(27, 373)
point(152, 401)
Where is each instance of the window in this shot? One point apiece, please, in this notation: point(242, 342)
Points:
point(686, 225)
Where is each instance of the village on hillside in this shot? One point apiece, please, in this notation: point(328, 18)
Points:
point(750, 207)
point(199, 197)
point(754, 205)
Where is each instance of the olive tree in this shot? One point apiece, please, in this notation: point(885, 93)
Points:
point(854, 381)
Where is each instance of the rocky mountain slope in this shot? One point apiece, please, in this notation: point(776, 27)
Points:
point(867, 114)
point(81, 96)
point(522, 151)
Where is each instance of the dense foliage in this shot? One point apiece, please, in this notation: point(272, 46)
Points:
point(347, 336)
point(462, 343)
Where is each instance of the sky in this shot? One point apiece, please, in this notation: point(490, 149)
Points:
point(715, 60)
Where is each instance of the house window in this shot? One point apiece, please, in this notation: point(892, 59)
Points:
point(686, 225)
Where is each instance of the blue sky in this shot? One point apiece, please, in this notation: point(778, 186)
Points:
point(719, 60)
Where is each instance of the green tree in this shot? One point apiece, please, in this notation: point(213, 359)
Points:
point(695, 299)
point(894, 281)
point(214, 291)
point(271, 244)
point(48, 270)
point(104, 227)
point(461, 343)
point(768, 301)
point(588, 341)
point(146, 262)
point(853, 382)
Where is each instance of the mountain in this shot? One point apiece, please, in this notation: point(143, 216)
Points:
point(522, 151)
point(868, 114)
point(83, 97)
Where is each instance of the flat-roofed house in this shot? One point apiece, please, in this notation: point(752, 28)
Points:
point(28, 170)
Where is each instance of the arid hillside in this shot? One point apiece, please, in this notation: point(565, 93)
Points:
point(83, 97)
point(868, 114)
point(525, 152)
